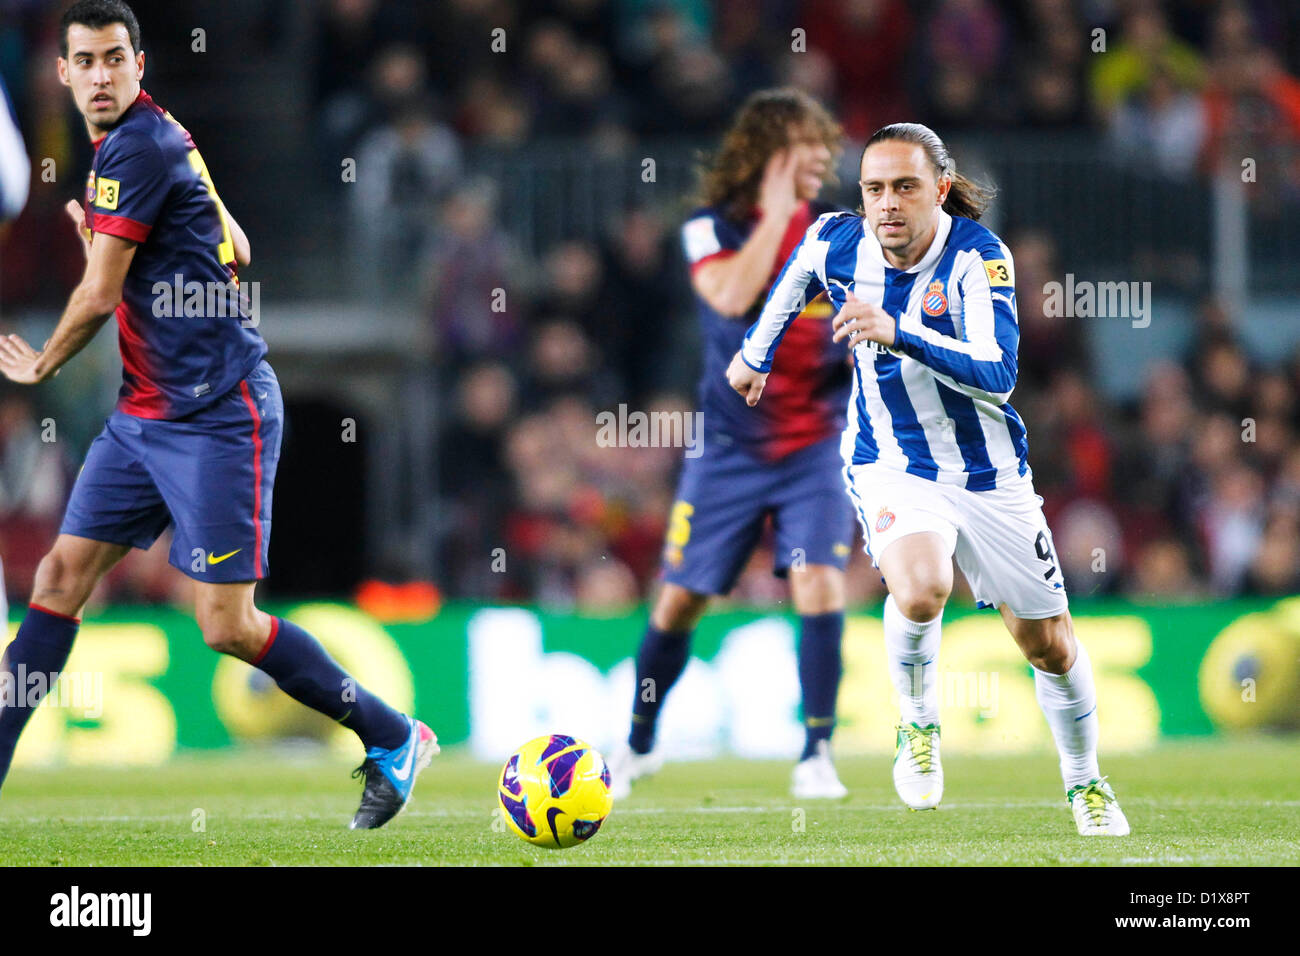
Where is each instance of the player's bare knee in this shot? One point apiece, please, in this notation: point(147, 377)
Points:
point(677, 609)
point(51, 573)
point(1048, 644)
point(61, 581)
point(921, 599)
point(228, 634)
point(817, 589)
point(222, 639)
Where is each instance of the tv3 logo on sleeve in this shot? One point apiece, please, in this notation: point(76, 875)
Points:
point(107, 193)
point(999, 272)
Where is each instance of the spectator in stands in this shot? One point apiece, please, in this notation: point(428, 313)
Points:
point(1051, 47)
point(1162, 127)
point(680, 85)
point(1251, 101)
point(562, 362)
point(1154, 467)
point(405, 168)
point(490, 114)
point(1048, 343)
point(1144, 44)
point(1090, 545)
point(1232, 525)
point(1163, 574)
point(473, 480)
point(870, 90)
point(396, 81)
point(350, 32)
point(1052, 97)
point(1275, 570)
point(965, 43)
point(476, 285)
point(643, 283)
point(1224, 378)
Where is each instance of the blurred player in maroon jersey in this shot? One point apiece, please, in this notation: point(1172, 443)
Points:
point(759, 197)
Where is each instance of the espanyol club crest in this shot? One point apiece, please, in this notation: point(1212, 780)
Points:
point(884, 519)
point(934, 302)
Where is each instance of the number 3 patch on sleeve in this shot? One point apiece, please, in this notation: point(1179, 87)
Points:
point(107, 193)
point(999, 272)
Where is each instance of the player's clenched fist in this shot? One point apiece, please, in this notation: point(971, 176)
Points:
point(745, 380)
point(861, 321)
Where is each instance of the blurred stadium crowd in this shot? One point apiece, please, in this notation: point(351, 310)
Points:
point(1191, 491)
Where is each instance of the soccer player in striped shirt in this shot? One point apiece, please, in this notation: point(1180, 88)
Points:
point(935, 459)
point(195, 437)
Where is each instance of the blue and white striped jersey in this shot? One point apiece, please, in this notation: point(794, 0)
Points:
point(14, 166)
point(935, 404)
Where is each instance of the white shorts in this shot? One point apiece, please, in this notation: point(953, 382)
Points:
point(1000, 537)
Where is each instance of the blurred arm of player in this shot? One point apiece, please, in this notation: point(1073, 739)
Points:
point(94, 299)
point(982, 364)
point(243, 251)
point(750, 366)
point(15, 168)
point(730, 285)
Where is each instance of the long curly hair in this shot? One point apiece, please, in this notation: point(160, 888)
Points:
point(730, 178)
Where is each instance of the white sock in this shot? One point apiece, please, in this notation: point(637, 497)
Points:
point(1069, 703)
point(913, 651)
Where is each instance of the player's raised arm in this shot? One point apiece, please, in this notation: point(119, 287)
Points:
point(983, 362)
point(730, 280)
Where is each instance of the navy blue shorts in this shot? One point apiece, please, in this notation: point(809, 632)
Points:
point(210, 474)
point(723, 498)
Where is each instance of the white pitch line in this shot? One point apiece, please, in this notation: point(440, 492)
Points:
point(649, 811)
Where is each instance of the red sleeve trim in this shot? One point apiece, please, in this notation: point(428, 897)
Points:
point(121, 227)
point(46, 610)
point(712, 257)
point(275, 629)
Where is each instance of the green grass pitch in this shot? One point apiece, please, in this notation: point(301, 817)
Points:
point(1220, 803)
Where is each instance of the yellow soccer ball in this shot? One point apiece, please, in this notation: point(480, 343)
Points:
point(554, 791)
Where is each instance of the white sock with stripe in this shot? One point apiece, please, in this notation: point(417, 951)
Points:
point(913, 651)
point(1069, 702)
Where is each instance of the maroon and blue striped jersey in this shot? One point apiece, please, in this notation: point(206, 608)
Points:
point(804, 399)
point(185, 336)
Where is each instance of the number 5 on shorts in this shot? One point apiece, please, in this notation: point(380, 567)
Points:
point(679, 524)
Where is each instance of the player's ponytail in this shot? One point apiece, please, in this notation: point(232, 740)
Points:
point(966, 197)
